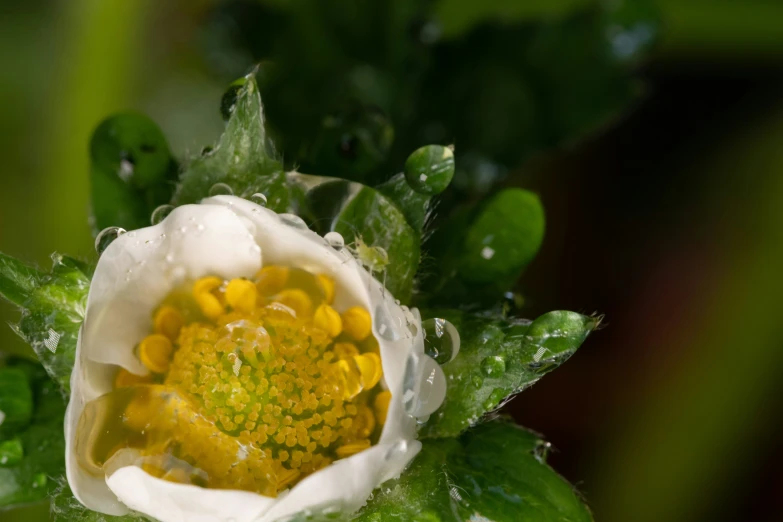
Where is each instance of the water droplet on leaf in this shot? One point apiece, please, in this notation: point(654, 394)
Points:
point(441, 340)
point(493, 366)
point(430, 169)
point(494, 398)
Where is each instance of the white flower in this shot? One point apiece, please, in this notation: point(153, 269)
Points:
point(230, 237)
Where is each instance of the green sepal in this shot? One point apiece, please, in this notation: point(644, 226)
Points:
point(414, 205)
point(499, 358)
point(242, 159)
point(132, 171)
point(481, 252)
point(65, 508)
point(360, 212)
point(504, 238)
point(34, 455)
point(495, 472)
point(16, 401)
point(11, 452)
point(53, 306)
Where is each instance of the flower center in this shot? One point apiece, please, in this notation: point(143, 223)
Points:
point(254, 386)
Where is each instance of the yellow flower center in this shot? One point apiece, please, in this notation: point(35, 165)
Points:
point(254, 386)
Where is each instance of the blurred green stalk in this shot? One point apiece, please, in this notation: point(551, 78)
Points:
point(684, 449)
point(100, 58)
point(739, 29)
point(96, 74)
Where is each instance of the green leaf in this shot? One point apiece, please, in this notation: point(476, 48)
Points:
point(359, 212)
point(17, 280)
point(460, 16)
point(414, 205)
point(16, 401)
point(11, 452)
point(242, 161)
point(53, 307)
point(36, 454)
point(503, 239)
point(65, 508)
point(132, 171)
point(495, 473)
point(481, 253)
point(499, 358)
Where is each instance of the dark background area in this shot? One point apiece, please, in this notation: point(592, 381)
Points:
point(669, 222)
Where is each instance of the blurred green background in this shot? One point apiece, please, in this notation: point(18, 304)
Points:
point(669, 221)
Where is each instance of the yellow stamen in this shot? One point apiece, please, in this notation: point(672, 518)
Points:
point(125, 378)
point(168, 321)
point(155, 352)
point(364, 422)
point(353, 448)
point(327, 319)
point(177, 475)
point(345, 350)
point(370, 367)
point(297, 300)
point(286, 477)
point(203, 293)
point(270, 280)
point(327, 283)
point(351, 378)
point(242, 295)
point(357, 323)
point(382, 405)
point(250, 397)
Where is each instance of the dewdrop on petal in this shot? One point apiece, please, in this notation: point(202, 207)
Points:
point(250, 387)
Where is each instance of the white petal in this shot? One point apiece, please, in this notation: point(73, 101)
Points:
point(140, 268)
point(170, 502)
point(133, 275)
point(346, 484)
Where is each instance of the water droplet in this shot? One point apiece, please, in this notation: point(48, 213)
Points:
point(494, 398)
point(384, 324)
point(432, 389)
point(40, 480)
point(292, 220)
point(398, 450)
point(220, 189)
point(493, 366)
point(105, 238)
point(441, 340)
point(477, 381)
point(409, 381)
point(160, 213)
point(541, 452)
point(258, 199)
point(335, 240)
point(430, 169)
